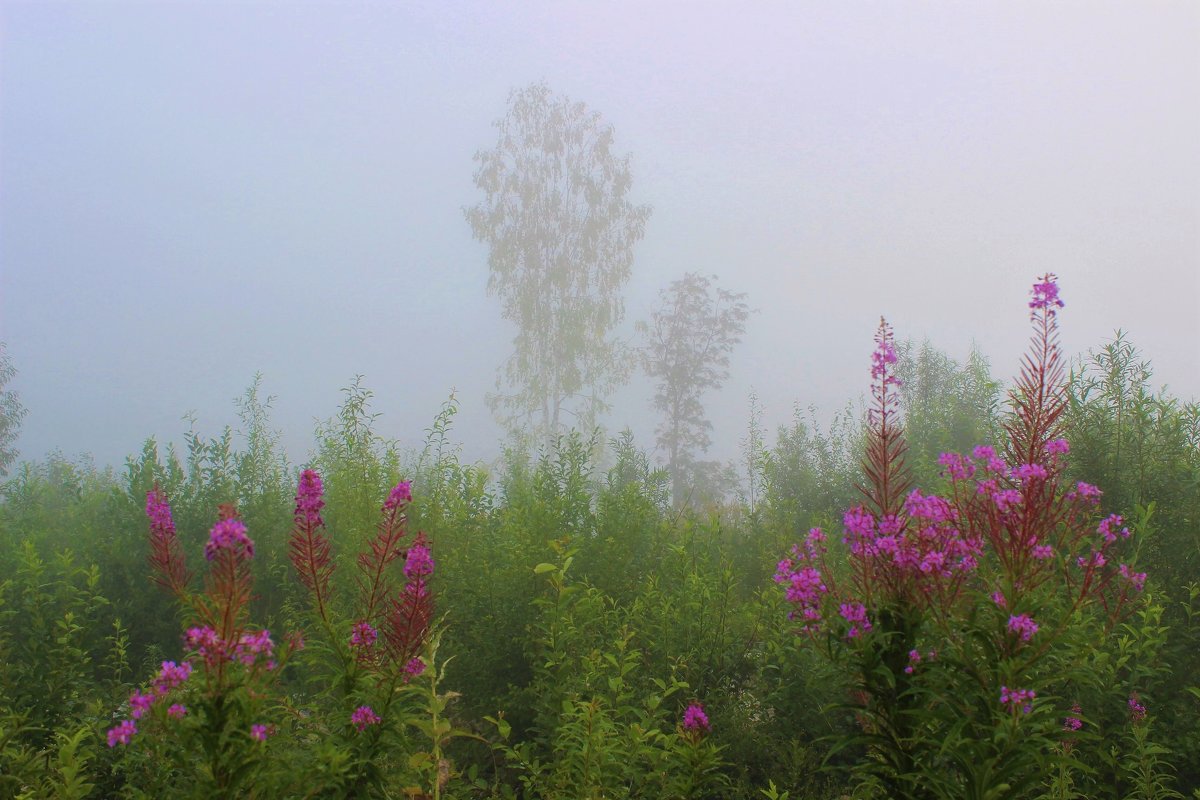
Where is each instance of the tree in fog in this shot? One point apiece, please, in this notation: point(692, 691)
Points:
point(560, 228)
point(687, 343)
point(11, 412)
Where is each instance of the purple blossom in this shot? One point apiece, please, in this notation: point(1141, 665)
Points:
point(171, 676)
point(400, 496)
point(414, 668)
point(1027, 472)
point(1086, 492)
point(363, 717)
point(884, 356)
point(1105, 529)
point(159, 511)
point(259, 732)
point(1137, 711)
point(1057, 447)
point(122, 733)
point(229, 534)
point(251, 645)
point(1043, 552)
point(1017, 699)
point(1045, 296)
point(1024, 625)
point(363, 635)
point(856, 615)
point(1138, 579)
point(694, 718)
point(418, 563)
point(1097, 558)
point(1073, 722)
point(177, 711)
point(998, 599)
point(140, 704)
point(309, 500)
point(1006, 499)
point(914, 658)
point(956, 467)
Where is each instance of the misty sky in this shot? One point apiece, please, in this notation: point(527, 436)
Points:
point(193, 192)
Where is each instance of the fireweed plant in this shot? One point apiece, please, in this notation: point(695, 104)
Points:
point(222, 705)
point(966, 618)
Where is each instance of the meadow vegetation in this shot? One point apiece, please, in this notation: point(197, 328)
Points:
point(963, 592)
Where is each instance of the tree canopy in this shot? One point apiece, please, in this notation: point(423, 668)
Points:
point(560, 228)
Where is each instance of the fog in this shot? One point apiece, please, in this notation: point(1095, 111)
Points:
point(191, 193)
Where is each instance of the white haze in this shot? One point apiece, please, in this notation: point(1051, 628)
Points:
point(193, 192)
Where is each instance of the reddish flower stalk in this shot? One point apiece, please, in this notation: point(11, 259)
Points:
point(888, 478)
point(410, 615)
point(226, 602)
point(309, 548)
point(166, 554)
point(383, 550)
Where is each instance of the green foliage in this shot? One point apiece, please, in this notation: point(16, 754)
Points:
point(11, 412)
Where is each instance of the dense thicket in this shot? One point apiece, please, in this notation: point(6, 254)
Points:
point(583, 610)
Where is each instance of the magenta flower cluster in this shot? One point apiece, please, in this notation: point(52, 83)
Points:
point(1023, 625)
point(363, 635)
point(1017, 699)
point(1045, 297)
point(1137, 711)
point(694, 719)
point(229, 534)
point(401, 495)
point(170, 677)
point(309, 500)
point(363, 717)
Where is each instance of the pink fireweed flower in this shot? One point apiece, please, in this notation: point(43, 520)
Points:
point(694, 718)
point(1056, 447)
point(1097, 558)
point(122, 733)
point(928, 507)
point(860, 530)
point(251, 645)
point(363, 717)
point(914, 658)
point(1028, 472)
point(1105, 529)
point(1137, 711)
point(1017, 699)
point(1006, 499)
point(884, 356)
point(309, 501)
point(206, 642)
point(856, 615)
point(988, 455)
point(259, 732)
point(414, 668)
point(1138, 579)
point(140, 704)
point(159, 511)
point(1045, 296)
point(957, 468)
point(1073, 722)
point(171, 676)
point(363, 635)
point(1043, 552)
point(418, 563)
point(998, 599)
point(1086, 492)
point(229, 534)
point(1024, 625)
point(401, 495)
point(177, 711)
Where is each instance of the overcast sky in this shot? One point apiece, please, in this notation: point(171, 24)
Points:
point(193, 192)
